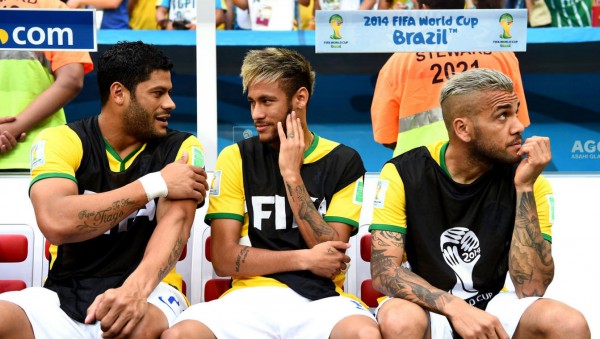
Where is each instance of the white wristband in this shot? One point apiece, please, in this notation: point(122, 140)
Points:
point(154, 185)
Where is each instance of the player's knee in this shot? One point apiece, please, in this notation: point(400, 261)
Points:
point(555, 318)
point(402, 319)
point(172, 333)
point(368, 332)
point(572, 324)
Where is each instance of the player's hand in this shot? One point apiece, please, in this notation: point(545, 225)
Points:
point(74, 3)
point(471, 322)
point(291, 149)
point(537, 155)
point(185, 181)
point(328, 258)
point(118, 310)
point(8, 141)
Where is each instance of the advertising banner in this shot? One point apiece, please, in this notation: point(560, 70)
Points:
point(48, 29)
point(385, 31)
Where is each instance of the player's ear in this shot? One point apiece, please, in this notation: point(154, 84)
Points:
point(300, 99)
point(463, 128)
point(118, 92)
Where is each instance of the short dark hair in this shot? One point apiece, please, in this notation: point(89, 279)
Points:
point(129, 63)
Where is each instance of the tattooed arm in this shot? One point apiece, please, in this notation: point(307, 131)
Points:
point(391, 279)
point(531, 266)
point(121, 309)
point(229, 258)
point(64, 216)
point(313, 228)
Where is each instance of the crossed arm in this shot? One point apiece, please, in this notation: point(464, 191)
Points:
point(327, 242)
point(121, 309)
point(230, 258)
point(391, 279)
point(64, 216)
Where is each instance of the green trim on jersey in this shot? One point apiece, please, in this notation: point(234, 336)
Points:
point(343, 220)
point(547, 237)
point(212, 216)
point(123, 162)
point(385, 227)
point(443, 158)
point(51, 175)
point(313, 145)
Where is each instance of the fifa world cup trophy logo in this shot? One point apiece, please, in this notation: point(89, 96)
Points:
point(3, 36)
point(506, 20)
point(336, 22)
point(460, 248)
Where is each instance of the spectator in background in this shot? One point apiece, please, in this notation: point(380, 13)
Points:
point(538, 14)
point(34, 89)
point(405, 112)
point(271, 15)
point(333, 5)
point(174, 14)
point(396, 4)
point(570, 13)
point(229, 7)
point(115, 13)
point(488, 4)
point(142, 14)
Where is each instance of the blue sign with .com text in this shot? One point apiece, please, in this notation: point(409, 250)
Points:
point(48, 29)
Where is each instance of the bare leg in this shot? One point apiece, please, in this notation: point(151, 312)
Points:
point(547, 318)
point(14, 322)
point(188, 329)
point(399, 318)
point(356, 326)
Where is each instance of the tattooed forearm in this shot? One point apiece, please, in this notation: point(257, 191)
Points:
point(390, 278)
point(290, 192)
point(173, 258)
point(307, 212)
point(530, 262)
point(241, 258)
point(112, 215)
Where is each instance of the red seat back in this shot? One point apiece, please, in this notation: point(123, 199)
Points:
point(215, 287)
point(13, 247)
point(368, 294)
point(11, 285)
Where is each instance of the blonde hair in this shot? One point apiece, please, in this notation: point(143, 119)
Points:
point(471, 81)
point(272, 65)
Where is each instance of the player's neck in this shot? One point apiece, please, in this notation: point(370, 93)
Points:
point(462, 167)
point(115, 136)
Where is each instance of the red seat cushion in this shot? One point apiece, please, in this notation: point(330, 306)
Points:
point(214, 288)
point(13, 247)
point(47, 250)
point(183, 253)
point(11, 285)
point(365, 247)
point(207, 249)
point(368, 294)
